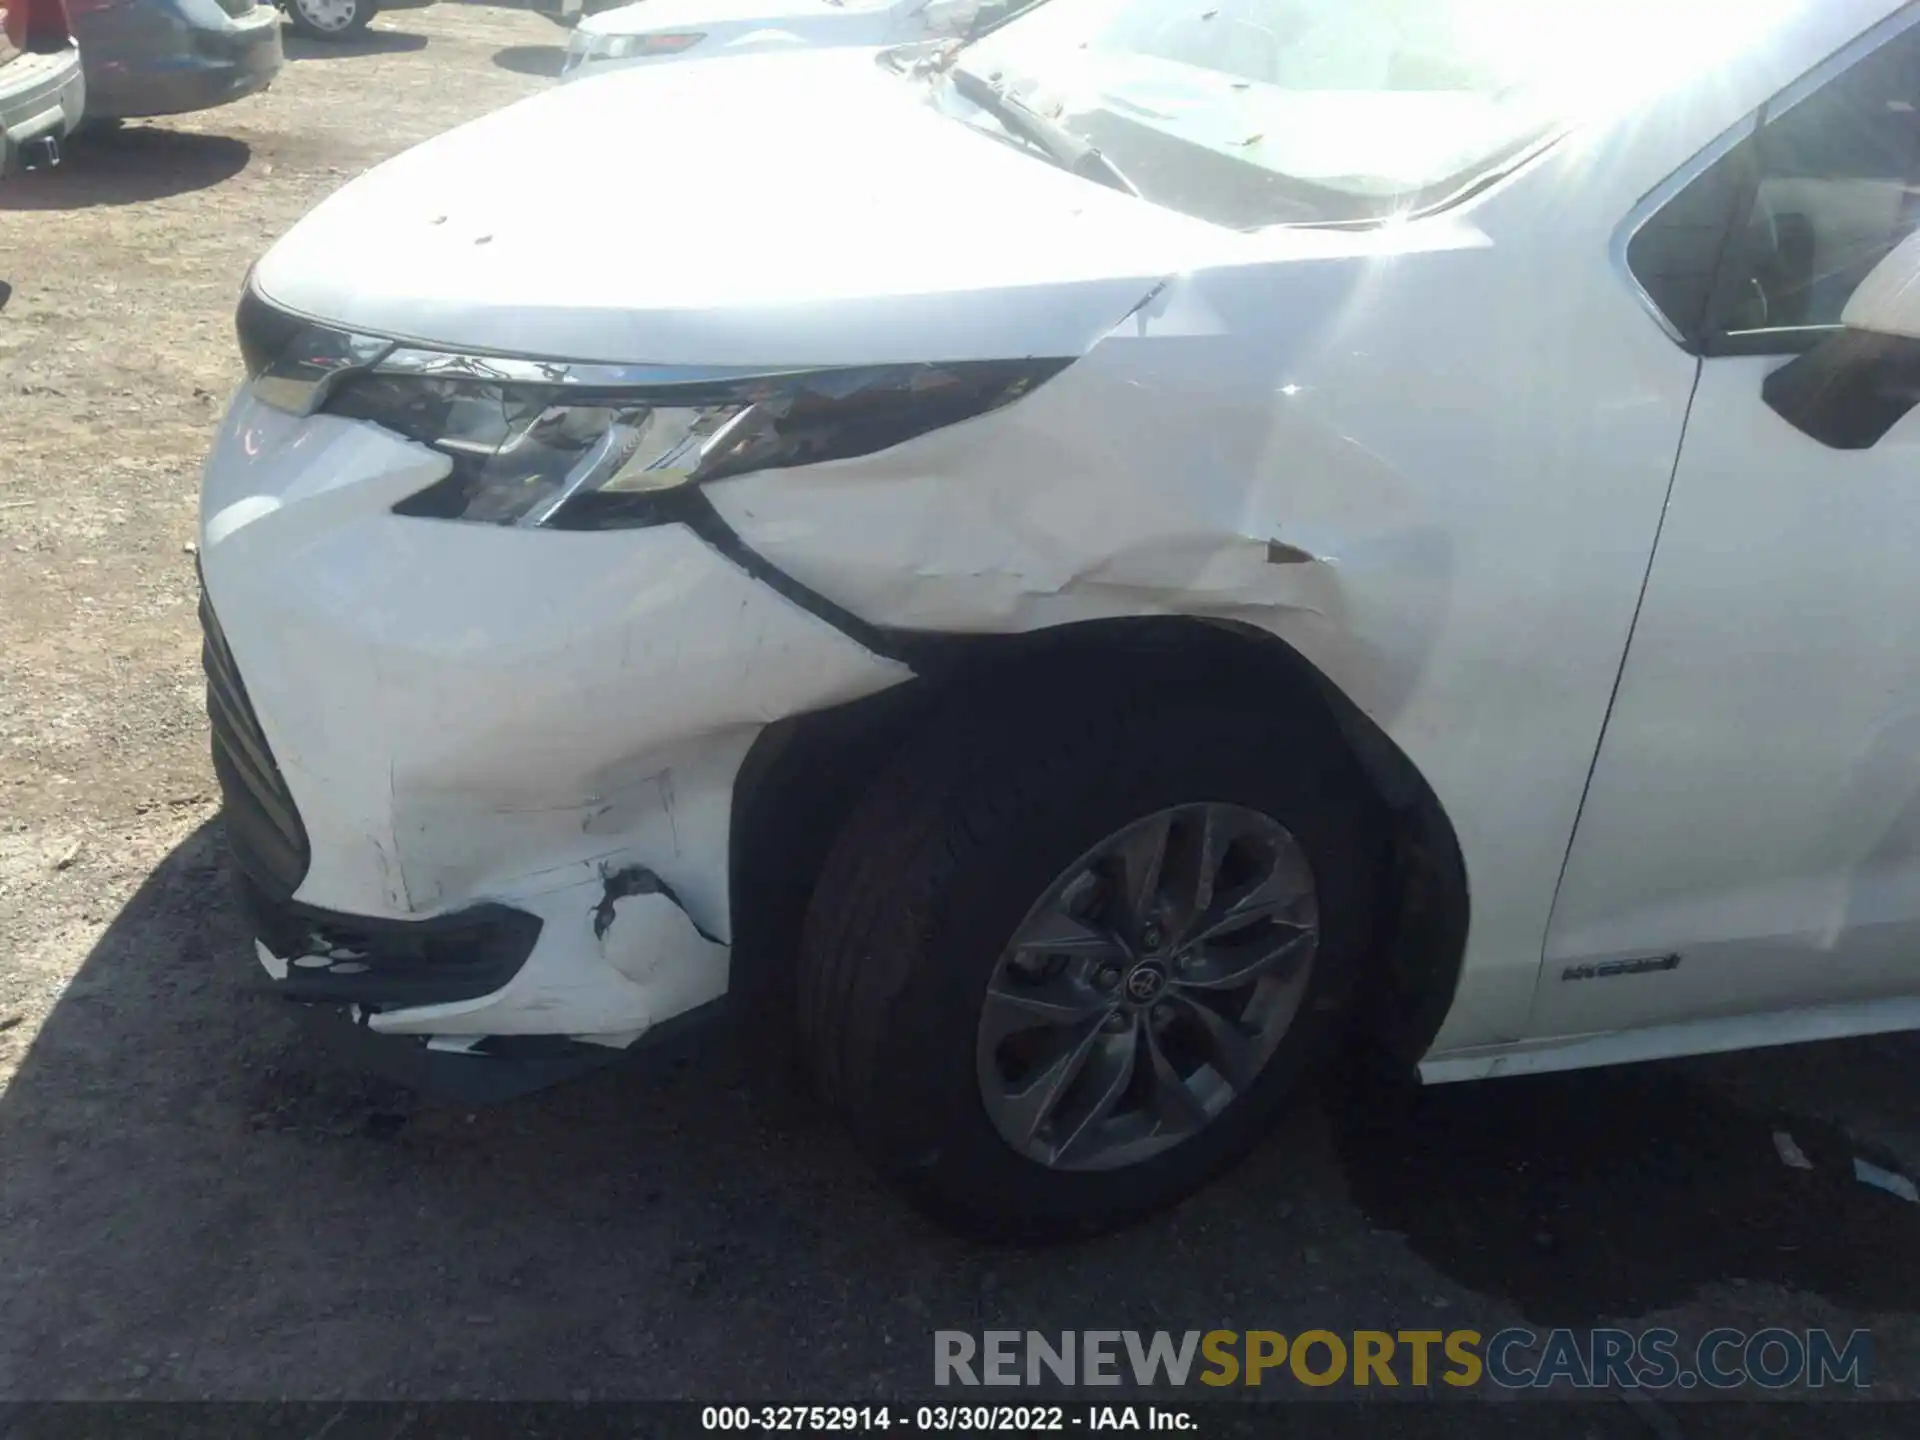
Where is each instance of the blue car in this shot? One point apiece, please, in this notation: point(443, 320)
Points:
point(166, 57)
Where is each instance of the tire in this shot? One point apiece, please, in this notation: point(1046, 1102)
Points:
point(329, 19)
point(941, 863)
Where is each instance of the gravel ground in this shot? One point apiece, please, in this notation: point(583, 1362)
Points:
point(194, 1203)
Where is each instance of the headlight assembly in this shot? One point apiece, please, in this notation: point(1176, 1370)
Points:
point(571, 454)
point(603, 446)
point(591, 446)
point(584, 47)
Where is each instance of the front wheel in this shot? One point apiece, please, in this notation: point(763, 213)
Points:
point(1061, 968)
point(329, 19)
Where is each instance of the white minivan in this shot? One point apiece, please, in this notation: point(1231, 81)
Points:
point(1073, 576)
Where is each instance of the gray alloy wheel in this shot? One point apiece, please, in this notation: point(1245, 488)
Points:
point(1148, 987)
point(329, 19)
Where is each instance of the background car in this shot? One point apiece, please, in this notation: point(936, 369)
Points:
point(666, 29)
point(42, 89)
point(164, 57)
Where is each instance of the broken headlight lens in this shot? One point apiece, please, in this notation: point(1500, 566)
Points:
point(562, 452)
point(585, 46)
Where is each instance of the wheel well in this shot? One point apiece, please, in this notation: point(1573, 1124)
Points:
point(804, 775)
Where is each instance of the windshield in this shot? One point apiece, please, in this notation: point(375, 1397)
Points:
point(1263, 112)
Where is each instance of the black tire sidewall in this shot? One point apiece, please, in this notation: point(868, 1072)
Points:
point(929, 1119)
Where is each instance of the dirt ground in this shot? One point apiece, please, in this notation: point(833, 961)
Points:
point(195, 1203)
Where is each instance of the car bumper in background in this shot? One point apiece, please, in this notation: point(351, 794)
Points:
point(168, 59)
point(480, 779)
point(42, 98)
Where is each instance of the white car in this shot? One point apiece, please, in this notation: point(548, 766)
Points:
point(701, 29)
point(1075, 577)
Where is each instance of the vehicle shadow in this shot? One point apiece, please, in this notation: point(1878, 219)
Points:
point(127, 167)
point(1615, 1193)
point(365, 42)
point(196, 1203)
point(541, 60)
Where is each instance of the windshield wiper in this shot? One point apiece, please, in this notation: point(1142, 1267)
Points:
point(1055, 141)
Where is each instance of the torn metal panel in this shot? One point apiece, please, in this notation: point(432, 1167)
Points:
point(667, 807)
point(614, 959)
point(627, 882)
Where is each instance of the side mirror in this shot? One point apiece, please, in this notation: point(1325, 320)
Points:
point(1854, 386)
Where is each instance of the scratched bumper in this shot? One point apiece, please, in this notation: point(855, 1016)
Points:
point(464, 716)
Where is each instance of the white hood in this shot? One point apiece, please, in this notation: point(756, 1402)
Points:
point(793, 209)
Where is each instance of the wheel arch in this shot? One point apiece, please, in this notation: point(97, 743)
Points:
point(805, 773)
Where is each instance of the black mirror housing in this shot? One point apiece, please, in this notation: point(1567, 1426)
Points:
point(1848, 391)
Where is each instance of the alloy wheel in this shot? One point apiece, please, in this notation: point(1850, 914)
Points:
point(1148, 987)
point(329, 16)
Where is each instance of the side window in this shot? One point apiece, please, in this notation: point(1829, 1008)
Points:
point(1762, 252)
point(1838, 187)
point(1676, 255)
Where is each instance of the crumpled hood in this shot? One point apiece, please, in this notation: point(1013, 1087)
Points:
point(791, 209)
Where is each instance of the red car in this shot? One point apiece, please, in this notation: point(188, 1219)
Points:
point(42, 91)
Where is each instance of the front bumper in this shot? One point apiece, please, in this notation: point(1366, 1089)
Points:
point(170, 57)
point(421, 723)
point(341, 970)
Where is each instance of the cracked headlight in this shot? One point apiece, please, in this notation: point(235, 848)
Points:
point(598, 447)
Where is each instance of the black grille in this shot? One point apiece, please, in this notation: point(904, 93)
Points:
point(263, 825)
point(346, 959)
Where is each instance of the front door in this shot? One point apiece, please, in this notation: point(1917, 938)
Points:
point(1750, 839)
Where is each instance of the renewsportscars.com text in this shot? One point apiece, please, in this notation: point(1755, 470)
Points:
point(1513, 1359)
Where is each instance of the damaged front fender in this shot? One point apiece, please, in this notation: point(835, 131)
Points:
point(1310, 440)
